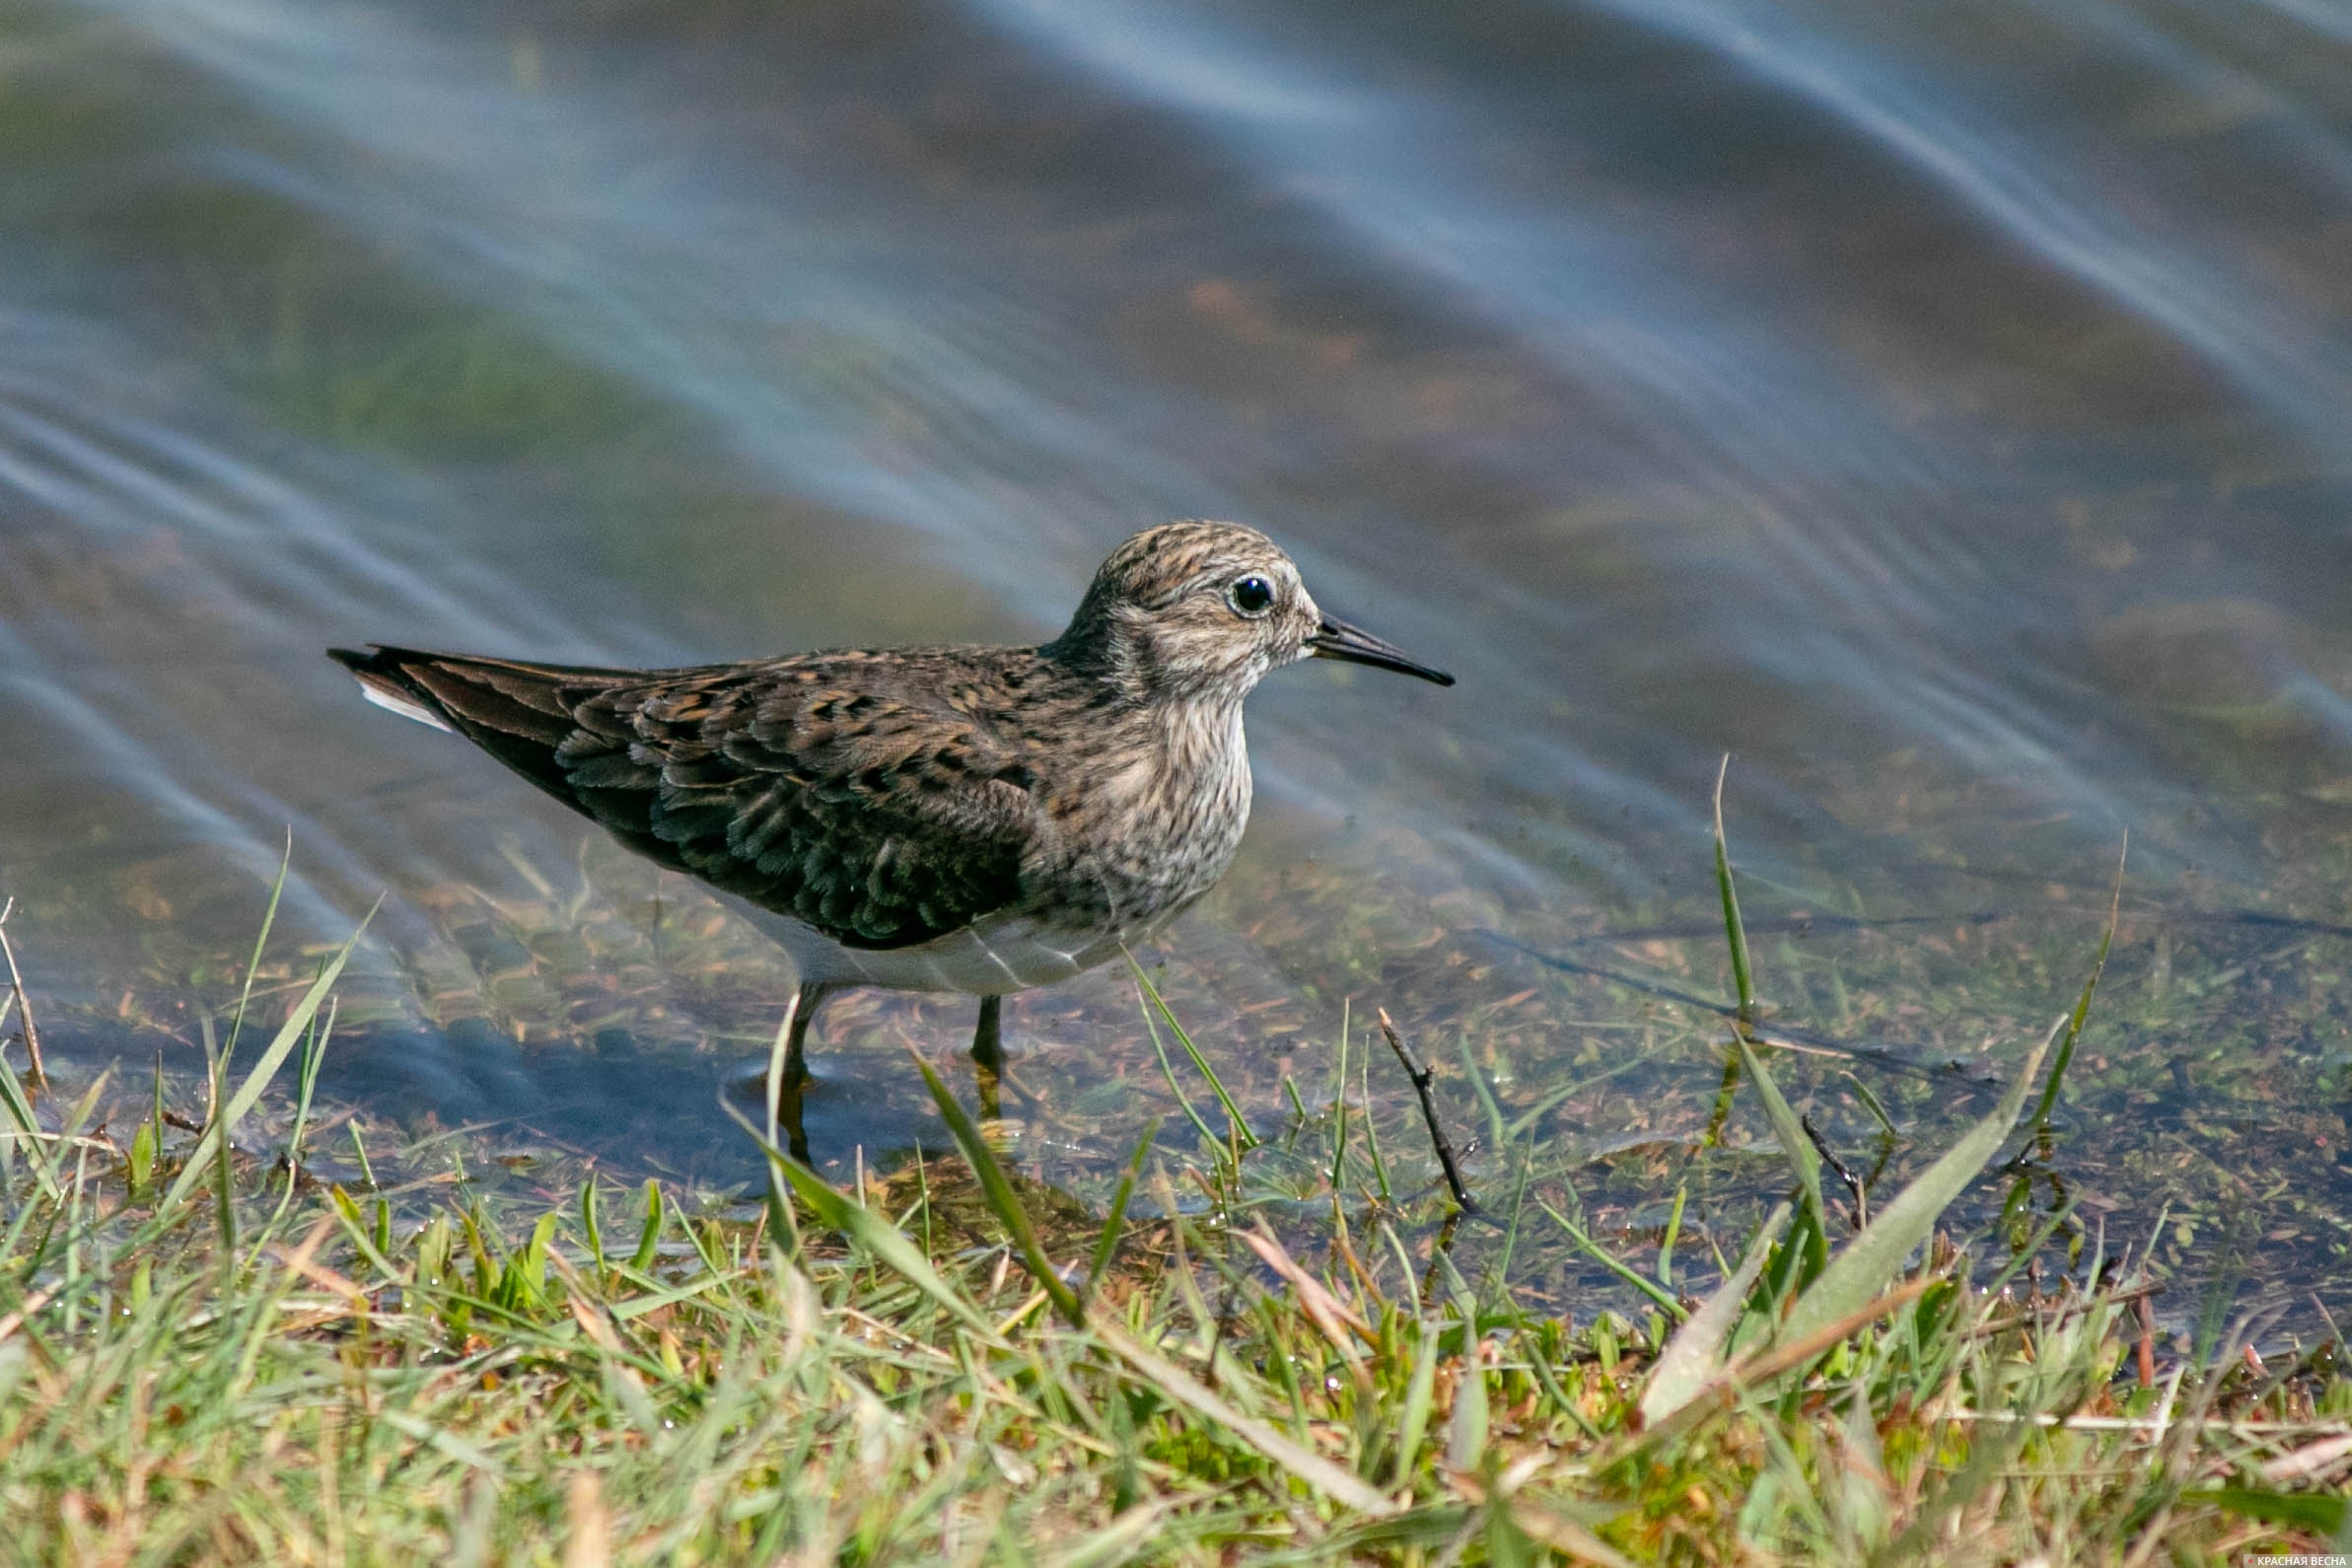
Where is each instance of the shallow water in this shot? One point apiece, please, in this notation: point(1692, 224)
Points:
point(1943, 408)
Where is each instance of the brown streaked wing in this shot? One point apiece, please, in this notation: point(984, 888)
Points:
point(880, 821)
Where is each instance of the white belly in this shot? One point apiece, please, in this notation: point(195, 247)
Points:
point(990, 957)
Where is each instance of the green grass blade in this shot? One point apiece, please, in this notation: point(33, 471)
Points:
point(348, 1211)
point(1151, 1026)
point(869, 1229)
point(1869, 1262)
point(1108, 1243)
point(778, 1051)
point(1233, 1112)
point(772, 1102)
point(217, 1131)
point(1610, 1260)
point(649, 1234)
point(252, 966)
point(1339, 1116)
point(306, 1086)
point(359, 1149)
point(1674, 1230)
point(1498, 1126)
point(20, 1111)
point(1789, 1131)
point(1372, 1135)
point(1469, 1423)
point(997, 1188)
point(223, 1170)
point(2082, 1006)
point(591, 1230)
point(1872, 1103)
point(1734, 930)
point(1182, 1388)
point(1420, 1399)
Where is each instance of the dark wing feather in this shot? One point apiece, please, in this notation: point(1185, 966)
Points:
point(878, 818)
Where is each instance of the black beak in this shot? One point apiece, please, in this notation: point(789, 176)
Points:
point(1336, 639)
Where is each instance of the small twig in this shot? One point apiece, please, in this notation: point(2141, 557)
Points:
point(1422, 1077)
point(1853, 1182)
point(15, 986)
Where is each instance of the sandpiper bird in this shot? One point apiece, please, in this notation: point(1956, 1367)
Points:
point(975, 819)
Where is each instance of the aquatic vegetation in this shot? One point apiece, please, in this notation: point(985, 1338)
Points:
point(211, 1350)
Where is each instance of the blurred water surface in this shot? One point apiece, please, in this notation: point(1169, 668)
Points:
point(1946, 407)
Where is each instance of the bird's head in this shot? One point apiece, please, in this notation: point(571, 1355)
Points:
point(1202, 611)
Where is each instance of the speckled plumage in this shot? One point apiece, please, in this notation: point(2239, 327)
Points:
point(964, 818)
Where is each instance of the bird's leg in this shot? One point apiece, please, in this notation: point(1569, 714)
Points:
point(989, 1051)
point(796, 1069)
point(804, 1013)
point(788, 1117)
point(987, 1044)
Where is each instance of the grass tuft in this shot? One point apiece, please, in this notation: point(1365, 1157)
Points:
point(416, 1365)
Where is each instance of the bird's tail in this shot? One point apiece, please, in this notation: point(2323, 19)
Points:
point(383, 680)
point(517, 712)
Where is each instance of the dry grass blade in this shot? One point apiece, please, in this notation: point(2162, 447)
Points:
point(589, 1543)
point(1694, 1355)
point(1564, 1534)
point(1795, 1352)
point(1719, 1392)
point(24, 1309)
point(1182, 1388)
point(37, 1073)
point(1331, 1316)
point(1128, 1536)
point(2311, 1462)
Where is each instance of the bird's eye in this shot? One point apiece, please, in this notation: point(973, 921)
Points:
point(1250, 596)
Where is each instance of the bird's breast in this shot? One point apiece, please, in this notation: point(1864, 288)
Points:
point(1155, 822)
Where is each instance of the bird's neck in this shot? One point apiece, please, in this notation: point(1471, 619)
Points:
point(1201, 731)
point(1118, 651)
